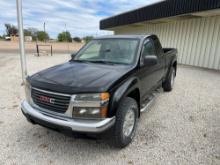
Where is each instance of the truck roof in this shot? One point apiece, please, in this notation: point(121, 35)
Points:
point(123, 36)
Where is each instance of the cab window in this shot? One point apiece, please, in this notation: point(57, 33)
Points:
point(148, 48)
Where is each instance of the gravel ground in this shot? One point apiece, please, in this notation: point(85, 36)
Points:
point(182, 127)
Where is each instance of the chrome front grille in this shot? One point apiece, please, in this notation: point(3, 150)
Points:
point(51, 101)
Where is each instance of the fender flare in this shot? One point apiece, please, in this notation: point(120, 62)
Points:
point(122, 91)
point(170, 66)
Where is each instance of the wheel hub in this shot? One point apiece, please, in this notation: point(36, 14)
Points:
point(172, 78)
point(129, 122)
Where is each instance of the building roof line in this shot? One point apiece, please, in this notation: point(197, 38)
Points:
point(138, 8)
point(163, 9)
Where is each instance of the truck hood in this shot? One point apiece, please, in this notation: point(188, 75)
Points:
point(77, 77)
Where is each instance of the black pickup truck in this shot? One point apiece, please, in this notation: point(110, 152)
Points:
point(103, 88)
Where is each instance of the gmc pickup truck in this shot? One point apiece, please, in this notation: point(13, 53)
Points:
point(103, 88)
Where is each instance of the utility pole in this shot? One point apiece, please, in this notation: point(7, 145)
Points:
point(44, 31)
point(67, 40)
point(21, 40)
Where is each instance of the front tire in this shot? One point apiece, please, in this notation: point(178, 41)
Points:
point(126, 122)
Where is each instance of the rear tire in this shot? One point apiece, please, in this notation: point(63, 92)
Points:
point(169, 82)
point(126, 122)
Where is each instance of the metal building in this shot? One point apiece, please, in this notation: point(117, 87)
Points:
point(191, 26)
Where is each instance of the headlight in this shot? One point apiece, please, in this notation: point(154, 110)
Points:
point(28, 91)
point(90, 105)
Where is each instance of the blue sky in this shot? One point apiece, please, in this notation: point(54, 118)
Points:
point(80, 16)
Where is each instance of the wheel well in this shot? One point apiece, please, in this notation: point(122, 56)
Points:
point(135, 94)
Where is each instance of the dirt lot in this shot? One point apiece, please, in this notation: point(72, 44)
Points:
point(182, 127)
point(30, 47)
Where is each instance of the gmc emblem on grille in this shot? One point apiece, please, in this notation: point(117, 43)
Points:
point(46, 99)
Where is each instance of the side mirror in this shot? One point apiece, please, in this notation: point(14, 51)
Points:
point(150, 60)
point(73, 55)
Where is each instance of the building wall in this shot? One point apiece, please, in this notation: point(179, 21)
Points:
point(197, 40)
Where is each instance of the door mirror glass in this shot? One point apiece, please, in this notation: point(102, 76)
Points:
point(150, 60)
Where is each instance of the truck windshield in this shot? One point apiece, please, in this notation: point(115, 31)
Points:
point(118, 51)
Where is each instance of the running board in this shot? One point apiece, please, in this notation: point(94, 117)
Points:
point(150, 101)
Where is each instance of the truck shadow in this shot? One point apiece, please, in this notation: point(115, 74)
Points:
point(45, 143)
point(48, 138)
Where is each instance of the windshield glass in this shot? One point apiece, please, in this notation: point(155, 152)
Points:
point(121, 51)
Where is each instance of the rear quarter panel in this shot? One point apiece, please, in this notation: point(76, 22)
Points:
point(170, 58)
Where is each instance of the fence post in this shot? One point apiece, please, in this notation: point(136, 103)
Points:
point(51, 50)
point(37, 50)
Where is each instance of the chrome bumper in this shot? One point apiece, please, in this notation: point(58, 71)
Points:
point(90, 126)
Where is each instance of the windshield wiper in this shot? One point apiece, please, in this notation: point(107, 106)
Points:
point(103, 62)
point(82, 61)
point(99, 61)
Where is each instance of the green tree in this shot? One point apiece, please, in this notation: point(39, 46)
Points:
point(11, 30)
point(64, 36)
point(27, 32)
point(88, 38)
point(42, 36)
point(77, 39)
point(31, 31)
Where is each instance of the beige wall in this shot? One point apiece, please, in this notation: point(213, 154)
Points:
point(197, 40)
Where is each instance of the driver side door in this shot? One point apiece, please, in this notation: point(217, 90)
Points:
point(148, 74)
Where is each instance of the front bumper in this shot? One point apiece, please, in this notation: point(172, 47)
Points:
point(79, 125)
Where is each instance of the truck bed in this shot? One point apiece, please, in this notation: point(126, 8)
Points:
point(170, 51)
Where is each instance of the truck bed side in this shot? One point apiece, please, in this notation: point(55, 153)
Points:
point(170, 58)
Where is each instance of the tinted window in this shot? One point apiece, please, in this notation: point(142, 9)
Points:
point(148, 49)
point(158, 46)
